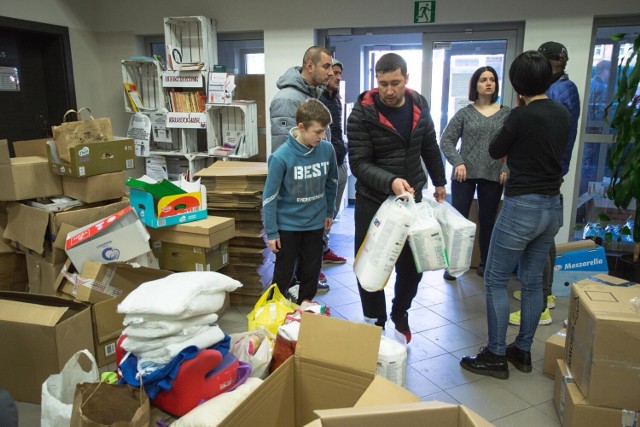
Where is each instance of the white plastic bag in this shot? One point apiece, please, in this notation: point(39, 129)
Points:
point(383, 243)
point(255, 348)
point(459, 236)
point(426, 238)
point(58, 390)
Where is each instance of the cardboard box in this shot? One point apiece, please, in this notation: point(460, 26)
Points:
point(118, 237)
point(32, 147)
point(576, 261)
point(38, 334)
point(26, 177)
point(603, 342)
point(42, 274)
point(35, 229)
point(204, 233)
point(575, 411)
point(96, 188)
point(54, 204)
point(329, 369)
point(13, 272)
point(176, 257)
point(554, 349)
point(5, 245)
point(104, 286)
point(94, 159)
point(169, 210)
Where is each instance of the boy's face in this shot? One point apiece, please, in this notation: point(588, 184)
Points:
point(311, 136)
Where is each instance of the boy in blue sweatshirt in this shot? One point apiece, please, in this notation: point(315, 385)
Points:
point(299, 199)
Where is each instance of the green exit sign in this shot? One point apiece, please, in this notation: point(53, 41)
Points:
point(424, 12)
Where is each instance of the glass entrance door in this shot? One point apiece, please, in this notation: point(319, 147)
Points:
point(451, 59)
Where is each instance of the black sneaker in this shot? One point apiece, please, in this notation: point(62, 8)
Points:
point(519, 358)
point(480, 270)
point(401, 321)
point(487, 363)
point(448, 276)
point(323, 288)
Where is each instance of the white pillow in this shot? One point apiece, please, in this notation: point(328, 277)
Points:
point(170, 295)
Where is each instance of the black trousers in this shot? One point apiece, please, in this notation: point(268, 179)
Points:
point(374, 305)
point(301, 251)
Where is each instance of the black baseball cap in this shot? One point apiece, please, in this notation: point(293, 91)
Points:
point(554, 50)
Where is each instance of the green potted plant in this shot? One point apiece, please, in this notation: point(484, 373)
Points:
point(623, 156)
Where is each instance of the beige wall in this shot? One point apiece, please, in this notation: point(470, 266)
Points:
point(104, 32)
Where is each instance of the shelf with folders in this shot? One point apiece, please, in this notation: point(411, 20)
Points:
point(232, 129)
point(142, 84)
point(191, 43)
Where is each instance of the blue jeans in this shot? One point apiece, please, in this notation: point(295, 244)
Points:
point(489, 193)
point(522, 236)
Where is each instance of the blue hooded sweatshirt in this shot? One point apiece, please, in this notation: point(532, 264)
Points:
point(300, 191)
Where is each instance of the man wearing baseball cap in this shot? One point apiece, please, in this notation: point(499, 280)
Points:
point(565, 92)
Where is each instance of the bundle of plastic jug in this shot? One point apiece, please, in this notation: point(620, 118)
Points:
point(392, 356)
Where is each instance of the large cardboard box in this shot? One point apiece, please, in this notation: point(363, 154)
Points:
point(42, 274)
point(13, 272)
point(95, 158)
point(603, 342)
point(554, 349)
point(96, 188)
point(26, 177)
point(176, 257)
point(38, 334)
point(35, 229)
point(118, 237)
point(334, 364)
point(104, 286)
point(204, 233)
point(575, 411)
point(576, 261)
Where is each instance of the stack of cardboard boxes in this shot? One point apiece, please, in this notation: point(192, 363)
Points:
point(596, 360)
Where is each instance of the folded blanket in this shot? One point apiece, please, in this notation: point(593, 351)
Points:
point(170, 295)
point(213, 411)
point(208, 337)
point(203, 304)
point(163, 328)
point(138, 345)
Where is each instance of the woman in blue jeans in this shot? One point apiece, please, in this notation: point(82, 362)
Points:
point(532, 142)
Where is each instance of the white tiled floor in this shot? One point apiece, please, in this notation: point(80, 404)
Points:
point(448, 321)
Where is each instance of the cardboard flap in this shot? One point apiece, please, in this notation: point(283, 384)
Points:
point(5, 246)
point(27, 226)
point(381, 391)
point(575, 246)
point(32, 147)
point(35, 314)
point(61, 237)
point(5, 158)
point(338, 341)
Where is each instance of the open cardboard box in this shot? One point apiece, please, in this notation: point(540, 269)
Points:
point(94, 158)
point(38, 334)
point(333, 367)
point(104, 286)
point(96, 188)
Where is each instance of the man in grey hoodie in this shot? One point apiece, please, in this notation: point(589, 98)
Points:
point(296, 85)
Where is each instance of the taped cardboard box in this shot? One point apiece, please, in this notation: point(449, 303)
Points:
point(117, 237)
point(26, 177)
point(576, 261)
point(328, 370)
point(176, 257)
point(554, 349)
point(104, 286)
point(575, 411)
point(204, 233)
point(603, 338)
point(31, 228)
point(96, 188)
point(94, 158)
point(38, 334)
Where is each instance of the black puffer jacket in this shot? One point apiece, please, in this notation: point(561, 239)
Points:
point(378, 154)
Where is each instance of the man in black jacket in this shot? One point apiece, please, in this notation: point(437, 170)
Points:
point(390, 131)
point(331, 99)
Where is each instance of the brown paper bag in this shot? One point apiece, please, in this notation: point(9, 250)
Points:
point(69, 133)
point(114, 405)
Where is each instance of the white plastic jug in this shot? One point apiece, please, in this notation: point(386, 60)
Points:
point(392, 360)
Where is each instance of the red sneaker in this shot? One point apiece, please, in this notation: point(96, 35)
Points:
point(331, 257)
point(322, 278)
